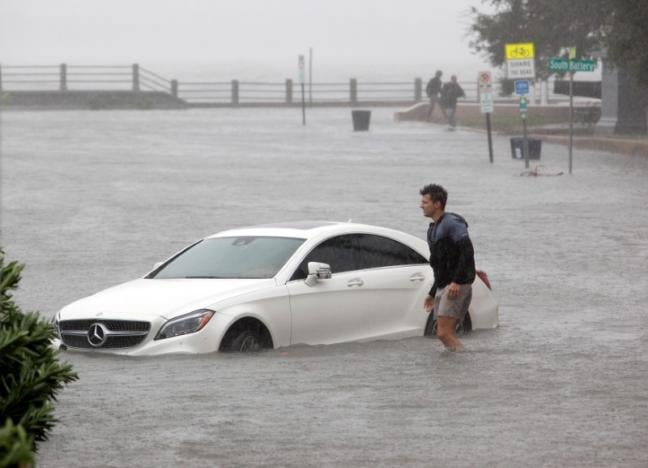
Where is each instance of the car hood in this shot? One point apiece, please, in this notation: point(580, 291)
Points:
point(143, 299)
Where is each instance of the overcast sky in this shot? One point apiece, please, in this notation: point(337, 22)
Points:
point(255, 38)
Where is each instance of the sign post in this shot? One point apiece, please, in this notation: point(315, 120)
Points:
point(525, 145)
point(571, 52)
point(302, 79)
point(571, 66)
point(572, 55)
point(520, 64)
point(484, 85)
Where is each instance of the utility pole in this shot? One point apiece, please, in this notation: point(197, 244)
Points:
point(310, 76)
point(302, 65)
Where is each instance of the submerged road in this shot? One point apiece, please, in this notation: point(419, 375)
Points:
point(92, 199)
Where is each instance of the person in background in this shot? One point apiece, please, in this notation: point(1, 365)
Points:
point(432, 90)
point(452, 259)
point(450, 92)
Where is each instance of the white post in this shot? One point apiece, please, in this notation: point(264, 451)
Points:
point(543, 93)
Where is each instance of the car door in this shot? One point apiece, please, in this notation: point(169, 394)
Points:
point(333, 310)
point(396, 280)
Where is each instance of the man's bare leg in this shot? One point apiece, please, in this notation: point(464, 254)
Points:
point(446, 333)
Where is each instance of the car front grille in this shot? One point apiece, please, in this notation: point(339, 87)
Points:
point(103, 334)
point(112, 325)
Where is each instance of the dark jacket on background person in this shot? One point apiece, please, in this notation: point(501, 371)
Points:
point(433, 87)
point(450, 93)
point(452, 256)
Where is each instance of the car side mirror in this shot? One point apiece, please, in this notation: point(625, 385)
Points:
point(317, 271)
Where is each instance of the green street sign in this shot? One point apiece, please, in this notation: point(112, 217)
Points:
point(557, 64)
point(524, 106)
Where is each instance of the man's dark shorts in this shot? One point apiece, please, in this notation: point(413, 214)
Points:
point(456, 308)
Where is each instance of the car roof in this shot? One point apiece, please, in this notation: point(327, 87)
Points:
point(306, 229)
point(304, 225)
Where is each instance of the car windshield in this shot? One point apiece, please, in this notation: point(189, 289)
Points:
point(231, 257)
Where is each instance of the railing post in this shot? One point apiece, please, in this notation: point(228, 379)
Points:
point(289, 91)
point(353, 91)
point(174, 88)
point(63, 77)
point(418, 89)
point(136, 80)
point(235, 92)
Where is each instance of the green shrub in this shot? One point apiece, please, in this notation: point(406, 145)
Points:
point(31, 375)
point(15, 446)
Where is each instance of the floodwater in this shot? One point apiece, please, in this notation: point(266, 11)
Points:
point(92, 199)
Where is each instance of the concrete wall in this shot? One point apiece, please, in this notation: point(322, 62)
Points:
point(57, 100)
point(420, 111)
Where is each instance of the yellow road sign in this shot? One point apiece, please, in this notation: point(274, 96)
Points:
point(519, 51)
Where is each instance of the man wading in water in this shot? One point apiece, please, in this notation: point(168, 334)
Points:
point(452, 259)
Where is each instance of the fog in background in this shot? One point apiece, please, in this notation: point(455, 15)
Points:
point(245, 39)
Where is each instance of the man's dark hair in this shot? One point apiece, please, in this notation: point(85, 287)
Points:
point(436, 193)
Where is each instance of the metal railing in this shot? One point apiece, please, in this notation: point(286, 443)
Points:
point(19, 77)
point(65, 77)
point(151, 81)
point(237, 92)
point(133, 77)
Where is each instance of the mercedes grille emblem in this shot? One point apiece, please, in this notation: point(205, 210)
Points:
point(97, 335)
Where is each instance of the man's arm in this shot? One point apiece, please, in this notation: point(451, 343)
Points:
point(429, 299)
point(433, 289)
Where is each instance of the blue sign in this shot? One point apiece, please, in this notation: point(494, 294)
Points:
point(521, 87)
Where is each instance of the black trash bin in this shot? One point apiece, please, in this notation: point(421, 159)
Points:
point(517, 148)
point(361, 120)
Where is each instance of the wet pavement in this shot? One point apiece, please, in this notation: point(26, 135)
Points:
point(92, 199)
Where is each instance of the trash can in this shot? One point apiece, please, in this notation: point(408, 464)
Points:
point(517, 148)
point(361, 120)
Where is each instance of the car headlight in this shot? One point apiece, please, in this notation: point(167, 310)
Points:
point(188, 323)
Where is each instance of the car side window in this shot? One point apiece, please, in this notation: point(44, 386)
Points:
point(357, 252)
point(373, 251)
point(337, 252)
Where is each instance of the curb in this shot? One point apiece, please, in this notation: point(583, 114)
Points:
point(632, 147)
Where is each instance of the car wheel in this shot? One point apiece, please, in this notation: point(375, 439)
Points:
point(246, 342)
point(431, 326)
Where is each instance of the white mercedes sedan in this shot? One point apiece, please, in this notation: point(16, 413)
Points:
point(268, 287)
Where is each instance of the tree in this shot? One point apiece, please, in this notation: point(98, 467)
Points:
point(626, 36)
point(550, 24)
point(31, 374)
point(588, 25)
